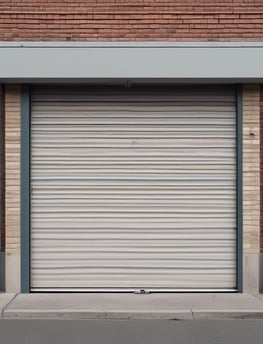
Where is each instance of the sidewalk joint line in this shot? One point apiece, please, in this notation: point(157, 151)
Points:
point(8, 303)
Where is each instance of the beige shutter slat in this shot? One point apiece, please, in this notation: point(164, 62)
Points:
point(133, 188)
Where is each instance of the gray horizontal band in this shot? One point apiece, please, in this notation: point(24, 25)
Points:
point(164, 61)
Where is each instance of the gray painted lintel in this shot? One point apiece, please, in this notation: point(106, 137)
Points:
point(132, 81)
point(181, 62)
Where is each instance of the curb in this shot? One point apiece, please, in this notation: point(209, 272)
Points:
point(97, 315)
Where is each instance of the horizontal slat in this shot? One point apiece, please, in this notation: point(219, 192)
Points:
point(129, 177)
point(74, 264)
point(76, 122)
point(128, 235)
point(129, 189)
point(211, 247)
point(216, 280)
point(139, 128)
point(77, 223)
point(83, 170)
point(150, 153)
point(148, 203)
point(116, 222)
point(83, 145)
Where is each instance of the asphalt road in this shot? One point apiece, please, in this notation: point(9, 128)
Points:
point(131, 331)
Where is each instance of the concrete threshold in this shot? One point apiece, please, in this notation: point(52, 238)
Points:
point(133, 306)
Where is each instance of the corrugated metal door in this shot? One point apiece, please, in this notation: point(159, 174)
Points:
point(133, 188)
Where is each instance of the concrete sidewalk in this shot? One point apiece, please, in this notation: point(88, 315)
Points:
point(131, 306)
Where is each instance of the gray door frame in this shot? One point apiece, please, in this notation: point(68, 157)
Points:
point(25, 192)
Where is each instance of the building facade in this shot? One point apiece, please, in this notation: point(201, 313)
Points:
point(131, 146)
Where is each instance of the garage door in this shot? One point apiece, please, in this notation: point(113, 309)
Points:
point(133, 188)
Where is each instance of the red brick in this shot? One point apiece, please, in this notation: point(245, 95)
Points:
point(131, 19)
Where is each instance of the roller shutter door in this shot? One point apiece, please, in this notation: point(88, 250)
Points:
point(133, 188)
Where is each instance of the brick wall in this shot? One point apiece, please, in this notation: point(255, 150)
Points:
point(179, 20)
point(12, 186)
point(12, 165)
point(251, 168)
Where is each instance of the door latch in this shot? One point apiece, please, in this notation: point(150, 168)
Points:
point(141, 291)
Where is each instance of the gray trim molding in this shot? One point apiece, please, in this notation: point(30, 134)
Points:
point(25, 189)
point(2, 271)
point(1, 150)
point(208, 62)
point(261, 272)
point(2, 254)
point(239, 183)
